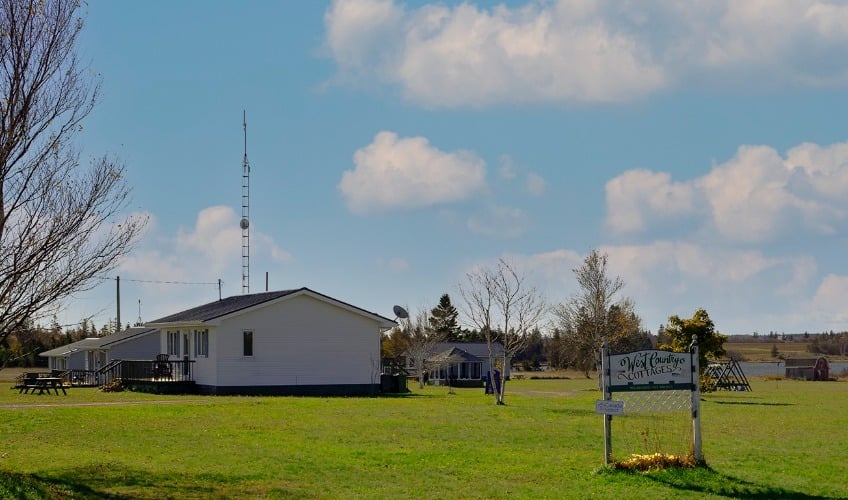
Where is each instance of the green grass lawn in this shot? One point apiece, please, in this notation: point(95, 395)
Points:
point(786, 439)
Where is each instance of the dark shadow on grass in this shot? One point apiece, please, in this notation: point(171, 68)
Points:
point(706, 480)
point(101, 480)
point(16, 485)
point(751, 403)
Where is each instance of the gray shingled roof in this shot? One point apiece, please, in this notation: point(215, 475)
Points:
point(479, 349)
point(223, 307)
point(97, 342)
point(237, 303)
point(453, 355)
point(126, 334)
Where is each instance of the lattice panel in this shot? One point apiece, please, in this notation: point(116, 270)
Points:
point(654, 401)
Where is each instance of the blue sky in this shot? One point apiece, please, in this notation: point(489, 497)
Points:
point(396, 145)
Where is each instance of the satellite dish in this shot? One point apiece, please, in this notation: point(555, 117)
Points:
point(400, 312)
point(244, 223)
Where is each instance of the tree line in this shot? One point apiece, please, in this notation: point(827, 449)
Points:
point(21, 347)
point(499, 306)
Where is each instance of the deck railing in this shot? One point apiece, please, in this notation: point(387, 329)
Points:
point(82, 378)
point(106, 374)
point(156, 371)
point(129, 370)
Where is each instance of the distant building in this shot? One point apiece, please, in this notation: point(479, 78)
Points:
point(461, 364)
point(808, 368)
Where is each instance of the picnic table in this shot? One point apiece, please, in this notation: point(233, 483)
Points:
point(42, 384)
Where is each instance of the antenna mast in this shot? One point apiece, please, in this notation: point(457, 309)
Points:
point(245, 215)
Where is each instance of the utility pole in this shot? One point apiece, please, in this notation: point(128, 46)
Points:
point(118, 326)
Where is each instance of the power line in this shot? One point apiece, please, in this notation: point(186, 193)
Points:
point(166, 282)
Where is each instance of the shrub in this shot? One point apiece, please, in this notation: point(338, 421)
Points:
point(114, 386)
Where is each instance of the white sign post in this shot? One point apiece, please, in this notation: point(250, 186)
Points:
point(649, 370)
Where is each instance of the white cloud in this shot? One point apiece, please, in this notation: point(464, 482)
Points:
point(502, 222)
point(394, 172)
point(550, 271)
point(756, 196)
point(828, 304)
point(357, 29)
point(536, 184)
point(209, 250)
point(509, 170)
point(394, 264)
point(585, 51)
point(638, 264)
point(508, 167)
point(741, 289)
point(637, 194)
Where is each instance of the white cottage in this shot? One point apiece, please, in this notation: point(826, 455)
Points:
point(284, 342)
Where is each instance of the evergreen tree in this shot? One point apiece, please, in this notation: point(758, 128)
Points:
point(443, 320)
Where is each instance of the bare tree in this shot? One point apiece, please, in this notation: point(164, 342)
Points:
point(500, 303)
point(593, 314)
point(422, 342)
point(60, 223)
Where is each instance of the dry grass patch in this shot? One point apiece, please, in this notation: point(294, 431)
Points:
point(656, 461)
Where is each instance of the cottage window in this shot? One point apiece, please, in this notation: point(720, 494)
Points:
point(248, 343)
point(201, 343)
point(174, 343)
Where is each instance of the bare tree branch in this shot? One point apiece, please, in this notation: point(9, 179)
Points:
point(500, 303)
point(593, 314)
point(60, 222)
point(422, 341)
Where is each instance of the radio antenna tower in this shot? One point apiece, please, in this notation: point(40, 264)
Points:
point(245, 215)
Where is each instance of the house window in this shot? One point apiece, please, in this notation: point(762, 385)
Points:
point(248, 343)
point(174, 343)
point(201, 343)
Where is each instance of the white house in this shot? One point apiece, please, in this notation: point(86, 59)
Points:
point(284, 342)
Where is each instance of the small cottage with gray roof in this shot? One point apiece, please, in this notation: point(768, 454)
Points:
point(462, 364)
point(93, 353)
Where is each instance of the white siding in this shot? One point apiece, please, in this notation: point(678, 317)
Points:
point(299, 341)
point(205, 368)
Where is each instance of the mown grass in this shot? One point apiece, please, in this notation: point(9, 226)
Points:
point(784, 440)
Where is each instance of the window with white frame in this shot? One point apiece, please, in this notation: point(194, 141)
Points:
point(174, 343)
point(201, 343)
point(248, 343)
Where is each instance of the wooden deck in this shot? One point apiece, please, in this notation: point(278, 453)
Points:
point(164, 377)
